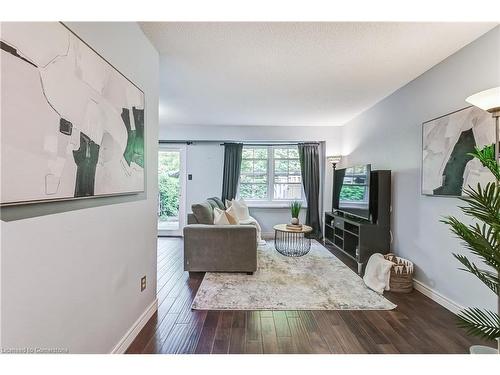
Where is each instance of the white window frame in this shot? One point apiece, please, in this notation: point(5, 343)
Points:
point(270, 201)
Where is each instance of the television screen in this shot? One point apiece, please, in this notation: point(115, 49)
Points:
point(352, 190)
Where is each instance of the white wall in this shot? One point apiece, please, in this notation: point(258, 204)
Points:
point(205, 160)
point(389, 136)
point(71, 276)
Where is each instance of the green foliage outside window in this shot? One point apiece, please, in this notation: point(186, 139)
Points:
point(253, 191)
point(168, 184)
point(169, 196)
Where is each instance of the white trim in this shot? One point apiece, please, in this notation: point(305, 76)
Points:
point(272, 204)
point(437, 297)
point(267, 204)
point(132, 333)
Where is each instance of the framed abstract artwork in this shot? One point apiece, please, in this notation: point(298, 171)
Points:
point(72, 126)
point(446, 141)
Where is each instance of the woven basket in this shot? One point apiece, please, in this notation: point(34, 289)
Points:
point(401, 280)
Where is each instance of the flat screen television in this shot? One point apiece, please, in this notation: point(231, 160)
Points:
point(351, 191)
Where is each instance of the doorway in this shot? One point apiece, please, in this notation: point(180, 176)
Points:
point(171, 189)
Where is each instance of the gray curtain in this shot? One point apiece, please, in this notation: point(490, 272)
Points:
point(309, 166)
point(232, 166)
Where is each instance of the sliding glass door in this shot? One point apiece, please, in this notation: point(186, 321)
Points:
point(171, 189)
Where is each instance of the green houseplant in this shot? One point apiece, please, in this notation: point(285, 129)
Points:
point(295, 207)
point(482, 238)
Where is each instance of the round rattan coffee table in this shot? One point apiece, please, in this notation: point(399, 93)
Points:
point(292, 242)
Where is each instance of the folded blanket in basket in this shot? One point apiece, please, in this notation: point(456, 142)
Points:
point(378, 273)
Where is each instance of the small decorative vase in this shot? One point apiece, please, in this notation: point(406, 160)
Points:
point(295, 220)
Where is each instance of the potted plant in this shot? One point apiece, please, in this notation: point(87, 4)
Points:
point(482, 238)
point(295, 207)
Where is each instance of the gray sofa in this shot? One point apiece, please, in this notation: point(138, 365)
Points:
point(217, 248)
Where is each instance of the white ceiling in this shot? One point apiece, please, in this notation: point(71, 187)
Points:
point(295, 74)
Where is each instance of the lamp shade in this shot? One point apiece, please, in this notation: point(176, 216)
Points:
point(489, 100)
point(334, 159)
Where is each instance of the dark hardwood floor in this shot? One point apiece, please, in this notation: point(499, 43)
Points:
point(417, 325)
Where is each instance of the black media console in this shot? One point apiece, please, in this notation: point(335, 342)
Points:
point(360, 238)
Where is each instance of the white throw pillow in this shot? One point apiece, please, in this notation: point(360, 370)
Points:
point(240, 209)
point(226, 217)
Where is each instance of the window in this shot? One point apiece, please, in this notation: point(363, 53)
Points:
point(287, 177)
point(254, 173)
point(271, 174)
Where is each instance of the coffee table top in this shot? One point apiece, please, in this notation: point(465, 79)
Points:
point(283, 228)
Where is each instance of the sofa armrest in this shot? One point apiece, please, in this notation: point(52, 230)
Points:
point(219, 248)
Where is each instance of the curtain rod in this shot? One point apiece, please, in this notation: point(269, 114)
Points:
point(183, 141)
point(276, 143)
point(271, 144)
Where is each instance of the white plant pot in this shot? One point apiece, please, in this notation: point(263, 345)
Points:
point(295, 220)
point(481, 349)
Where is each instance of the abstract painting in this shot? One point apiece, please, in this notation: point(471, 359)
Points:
point(446, 141)
point(72, 125)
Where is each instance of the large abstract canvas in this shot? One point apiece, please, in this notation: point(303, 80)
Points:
point(446, 141)
point(72, 126)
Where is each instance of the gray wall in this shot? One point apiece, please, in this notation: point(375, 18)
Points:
point(389, 136)
point(205, 160)
point(70, 271)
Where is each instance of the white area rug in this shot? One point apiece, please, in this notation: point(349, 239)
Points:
point(316, 281)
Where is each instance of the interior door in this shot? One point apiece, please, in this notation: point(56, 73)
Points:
point(171, 189)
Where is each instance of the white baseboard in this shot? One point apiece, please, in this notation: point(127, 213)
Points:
point(132, 333)
point(437, 297)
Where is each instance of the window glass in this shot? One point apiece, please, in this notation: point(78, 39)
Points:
point(254, 173)
point(271, 174)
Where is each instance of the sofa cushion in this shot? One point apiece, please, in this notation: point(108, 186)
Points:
point(240, 208)
point(203, 212)
point(216, 202)
point(224, 217)
point(212, 203)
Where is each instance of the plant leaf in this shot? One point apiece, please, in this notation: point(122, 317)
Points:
point(486, 156)
point(482, 241)
point(484, 204)
point(490, 279)
point(479, 322)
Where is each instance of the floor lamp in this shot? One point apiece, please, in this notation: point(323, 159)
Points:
point(489, 100)
point(333, 160)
